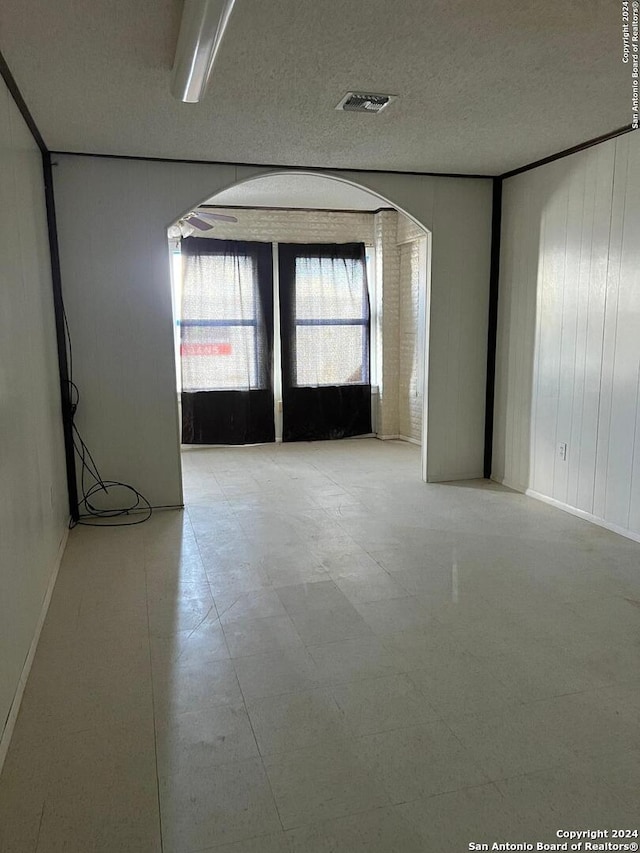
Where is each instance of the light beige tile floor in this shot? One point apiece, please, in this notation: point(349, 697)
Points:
point(321, 653)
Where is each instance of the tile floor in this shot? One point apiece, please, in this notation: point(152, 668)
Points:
point(324, 654)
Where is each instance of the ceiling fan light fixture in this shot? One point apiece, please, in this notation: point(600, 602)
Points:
point(201, 30)
point(180, 229)
point(197, 220)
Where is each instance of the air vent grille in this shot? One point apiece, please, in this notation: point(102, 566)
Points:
point(364, 102)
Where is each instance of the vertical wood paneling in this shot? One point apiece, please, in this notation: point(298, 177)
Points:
point(571, 246)
point(606, 436)
point(626, 353)
point(570, 302)
point(525, 346)
point(601, 172)
point(632, 287)
point(550, 329)
point(583, 301)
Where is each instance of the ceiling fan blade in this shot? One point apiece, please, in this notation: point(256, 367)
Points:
point(221, 216)
point(200, 224)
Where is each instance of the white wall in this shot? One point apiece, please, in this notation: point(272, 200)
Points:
point(458, 312)
point(112, 217)
point(568, 360)
point(33, 498)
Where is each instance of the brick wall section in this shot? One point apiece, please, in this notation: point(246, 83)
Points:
point(409, 400)
point(388, 310)
point(294, 226)
point(408, 230)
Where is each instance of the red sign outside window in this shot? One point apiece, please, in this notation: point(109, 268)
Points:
point(205, 349)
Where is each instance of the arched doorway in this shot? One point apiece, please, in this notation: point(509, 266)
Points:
point(323, 194)
point(118, 302)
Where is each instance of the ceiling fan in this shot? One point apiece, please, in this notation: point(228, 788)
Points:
point(197, 220)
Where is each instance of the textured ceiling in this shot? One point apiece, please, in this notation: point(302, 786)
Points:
point(303, 191)
point(484, 86)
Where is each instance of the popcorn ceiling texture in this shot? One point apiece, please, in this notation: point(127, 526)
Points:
point(394, 307)
point(484, 87)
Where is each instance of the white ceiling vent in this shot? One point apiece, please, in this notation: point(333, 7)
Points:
point(364, 102)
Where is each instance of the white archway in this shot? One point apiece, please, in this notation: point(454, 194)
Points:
point(118, 300)
point(325, 176)
point(425, 262)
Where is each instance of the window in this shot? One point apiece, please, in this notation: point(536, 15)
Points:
point(331, 320)
point(220, 341)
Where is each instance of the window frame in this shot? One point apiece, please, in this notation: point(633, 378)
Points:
point(221, 323)
point(345, 321)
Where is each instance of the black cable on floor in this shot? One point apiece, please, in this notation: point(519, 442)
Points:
point(91, 481)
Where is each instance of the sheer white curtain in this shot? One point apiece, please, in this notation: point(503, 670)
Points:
point(331, 321)
point(221, 335)
point(226, 342)
point(325, 341)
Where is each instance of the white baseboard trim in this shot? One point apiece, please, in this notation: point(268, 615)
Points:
point(399, 438)
point(586, 516)
point(410, 440)
point(5, 740)
point(358, 437)
point(572, 510)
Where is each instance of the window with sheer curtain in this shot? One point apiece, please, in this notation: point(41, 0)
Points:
point(222, 337)
point(325, 341)
point(331, 320)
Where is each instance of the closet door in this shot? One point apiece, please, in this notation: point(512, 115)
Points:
point(324, 316)
point(226, 342)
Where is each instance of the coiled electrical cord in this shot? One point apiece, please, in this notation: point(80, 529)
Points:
point(91, 481)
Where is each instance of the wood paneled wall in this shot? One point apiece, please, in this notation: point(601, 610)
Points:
point(569, 333)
